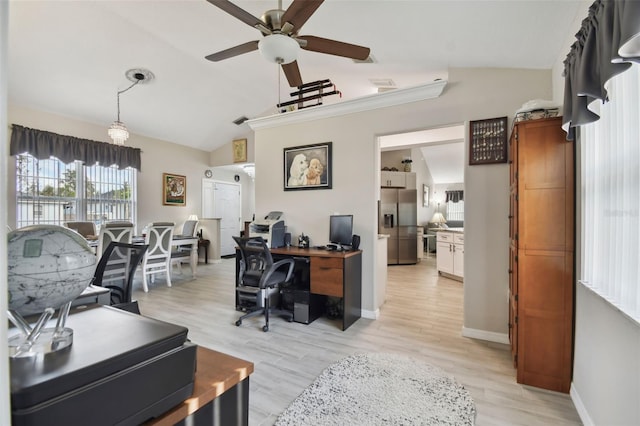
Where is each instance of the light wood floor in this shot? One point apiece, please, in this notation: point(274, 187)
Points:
point(422, 318)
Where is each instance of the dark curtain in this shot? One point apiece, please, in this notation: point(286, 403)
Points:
point(607, 43)
point(454, 196)
point(42, 145)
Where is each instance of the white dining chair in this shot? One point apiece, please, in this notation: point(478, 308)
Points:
point(120, 232)
point(157, 259)
point(182, 254)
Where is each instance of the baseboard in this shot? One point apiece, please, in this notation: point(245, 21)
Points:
point(489, 336)
point(374, 315)
point(580, 408)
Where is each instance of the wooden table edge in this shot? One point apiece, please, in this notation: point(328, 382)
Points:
point(216, 373)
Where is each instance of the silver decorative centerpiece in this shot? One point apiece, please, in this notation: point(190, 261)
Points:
point(48, 267)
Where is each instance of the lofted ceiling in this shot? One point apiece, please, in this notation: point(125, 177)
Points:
point(70, 57)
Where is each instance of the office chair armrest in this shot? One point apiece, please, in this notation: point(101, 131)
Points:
point(277, 265)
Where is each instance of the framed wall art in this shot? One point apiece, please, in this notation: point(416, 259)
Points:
point(239, 151)
point(488, 141)
point(174, 190)
point(308, 167)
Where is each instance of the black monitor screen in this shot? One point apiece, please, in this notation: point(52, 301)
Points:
point(341, 229)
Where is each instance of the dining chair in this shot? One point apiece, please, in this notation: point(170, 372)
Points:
point(86, 229)
point(157, 259)
point(190, 228)
point(121, 232)
point(182, 253)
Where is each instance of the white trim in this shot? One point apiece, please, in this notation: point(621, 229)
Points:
point(489, 336)
point(364, 103)
point(374, 315)
point(580, 408)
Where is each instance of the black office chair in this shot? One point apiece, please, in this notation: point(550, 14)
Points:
point(259, 279)
point(115, 271)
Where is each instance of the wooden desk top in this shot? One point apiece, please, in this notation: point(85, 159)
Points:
point(215, 374)
point(313, 252)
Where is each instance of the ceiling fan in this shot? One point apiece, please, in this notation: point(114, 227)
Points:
point(281, 41)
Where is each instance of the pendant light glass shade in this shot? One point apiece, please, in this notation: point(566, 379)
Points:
point(118, 133)
point(279, 48)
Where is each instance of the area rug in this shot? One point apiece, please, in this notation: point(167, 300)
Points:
point(381, 389)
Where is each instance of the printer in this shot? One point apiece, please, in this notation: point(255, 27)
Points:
point(122, 369)
point(271, 229)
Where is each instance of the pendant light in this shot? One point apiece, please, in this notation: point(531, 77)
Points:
point(118, 131)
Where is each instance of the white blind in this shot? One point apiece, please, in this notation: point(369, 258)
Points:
point(610, 159)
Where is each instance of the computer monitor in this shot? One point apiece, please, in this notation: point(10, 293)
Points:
point(341, 229)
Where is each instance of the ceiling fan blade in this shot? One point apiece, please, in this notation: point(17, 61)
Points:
point(333, 47)
point(241, 14)
point(233, 51)
point(300, 11)
point(292, 72)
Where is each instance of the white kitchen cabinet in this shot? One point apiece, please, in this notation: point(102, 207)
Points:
point(458, 255)
point(397, 180)
point(450, 253)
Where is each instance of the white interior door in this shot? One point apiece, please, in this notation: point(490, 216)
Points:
point(226, 206)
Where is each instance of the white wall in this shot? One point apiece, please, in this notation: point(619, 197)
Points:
point(157, 157)
point(471, 94)
point(606, 364)
point(423, 177)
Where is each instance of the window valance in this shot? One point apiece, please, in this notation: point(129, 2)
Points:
point(454, 196)
point(607, 44)
point(42, 145)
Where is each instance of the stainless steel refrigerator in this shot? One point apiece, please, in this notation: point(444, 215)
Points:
point(398, 219)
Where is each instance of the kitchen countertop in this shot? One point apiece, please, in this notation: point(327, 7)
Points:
point(454, 230)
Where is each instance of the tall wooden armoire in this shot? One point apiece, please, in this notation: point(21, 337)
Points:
point(541, 264)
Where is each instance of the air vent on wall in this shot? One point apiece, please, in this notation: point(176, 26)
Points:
point(383, 84)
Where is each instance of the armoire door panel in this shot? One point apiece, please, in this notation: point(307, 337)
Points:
point(543, 227)
point(541, 258)
point(542, 280)
point(541, 158)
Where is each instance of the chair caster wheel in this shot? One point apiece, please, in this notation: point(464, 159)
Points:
point(265, 328)
point(238, 323)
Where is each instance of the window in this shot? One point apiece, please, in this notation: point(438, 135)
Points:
point(455, 211)
point(610, 192)
point(51, 192)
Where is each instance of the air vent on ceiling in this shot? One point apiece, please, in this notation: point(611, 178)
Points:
point(238, 121)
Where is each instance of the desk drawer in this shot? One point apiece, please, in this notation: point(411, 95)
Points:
point(326, 276)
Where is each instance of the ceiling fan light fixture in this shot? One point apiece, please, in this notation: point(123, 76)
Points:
point(279, 48)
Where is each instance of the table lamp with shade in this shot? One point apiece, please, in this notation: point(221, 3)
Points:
point(438, 219)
